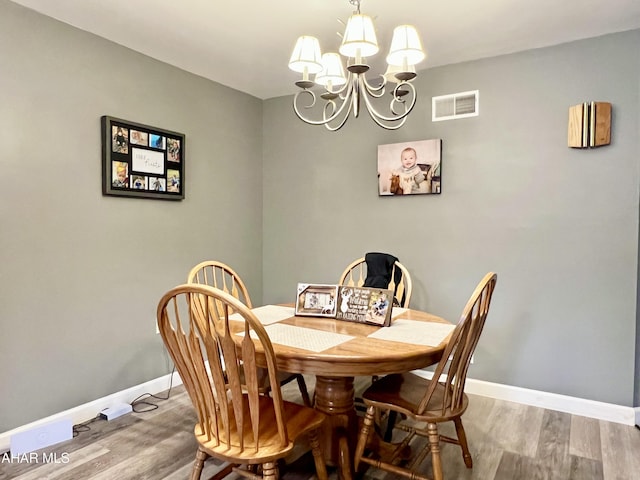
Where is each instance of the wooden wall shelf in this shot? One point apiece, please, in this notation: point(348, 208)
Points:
point(590, 125)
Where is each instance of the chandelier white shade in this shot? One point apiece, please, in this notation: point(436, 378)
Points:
point(332, 74)
point(406, 47)
point(359, 37)
point(306, 55)
point(342, 94)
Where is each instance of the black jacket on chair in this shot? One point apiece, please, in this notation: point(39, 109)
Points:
point(379, 271)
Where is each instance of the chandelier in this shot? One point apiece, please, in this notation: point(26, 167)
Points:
point(343, 94)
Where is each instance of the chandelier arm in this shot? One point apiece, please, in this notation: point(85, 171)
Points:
point(356, 96)
point(386, 126)
point(374, 91)
point(380, 119)
point(400, 99)
point(330, 106)
point(387, 123)
point(377, 117)
point(346, 103)
point(339, 125)
point(392, 108)
point(343, 90)
point(335, 114)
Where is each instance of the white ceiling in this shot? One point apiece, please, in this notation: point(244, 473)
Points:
point(246, 44)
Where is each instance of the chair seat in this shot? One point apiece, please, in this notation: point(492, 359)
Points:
point(298, 421)
point(403, 393)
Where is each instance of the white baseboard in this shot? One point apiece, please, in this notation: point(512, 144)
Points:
point(553, 401)
point(562, 403)
point(89, 410)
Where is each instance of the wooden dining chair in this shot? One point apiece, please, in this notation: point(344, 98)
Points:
point(429, 402)
point(235, 422)
point(222, 276)
point(356, 273)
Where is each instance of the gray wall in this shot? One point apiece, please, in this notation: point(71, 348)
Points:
point(558, 225)
point(636, 394)
point(81, 274)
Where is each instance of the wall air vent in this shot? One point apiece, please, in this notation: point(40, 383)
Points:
point(456, 105)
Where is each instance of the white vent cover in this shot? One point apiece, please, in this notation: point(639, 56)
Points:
point(456, 105)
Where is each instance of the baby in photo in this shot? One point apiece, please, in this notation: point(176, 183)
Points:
point(409, 178)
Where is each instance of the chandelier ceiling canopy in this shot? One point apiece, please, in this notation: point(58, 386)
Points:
point(342, 93)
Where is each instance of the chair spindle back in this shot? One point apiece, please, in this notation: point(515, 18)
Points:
point(219, 275)
point(460, 348)
point(218, 367)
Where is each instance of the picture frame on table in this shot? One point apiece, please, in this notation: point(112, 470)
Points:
point(316, 300)
point(365, 305)
point(142, 161)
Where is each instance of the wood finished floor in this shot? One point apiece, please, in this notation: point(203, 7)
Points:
point(508, 441)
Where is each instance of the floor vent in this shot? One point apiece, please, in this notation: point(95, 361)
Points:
point(456, 105)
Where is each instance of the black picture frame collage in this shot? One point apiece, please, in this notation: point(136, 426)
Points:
point(142, 161)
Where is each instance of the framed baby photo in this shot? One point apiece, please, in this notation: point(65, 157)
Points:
point(141, 161)
point(316, 300)
point(410, 168)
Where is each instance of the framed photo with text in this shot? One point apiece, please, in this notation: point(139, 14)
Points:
point(365, 305)
point(141, 161)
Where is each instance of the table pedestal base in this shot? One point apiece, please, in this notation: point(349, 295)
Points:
point(334, 397)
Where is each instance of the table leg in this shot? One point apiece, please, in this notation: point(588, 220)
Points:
point(334, 397)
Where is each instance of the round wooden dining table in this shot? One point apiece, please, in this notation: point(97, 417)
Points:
point(336, 367)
